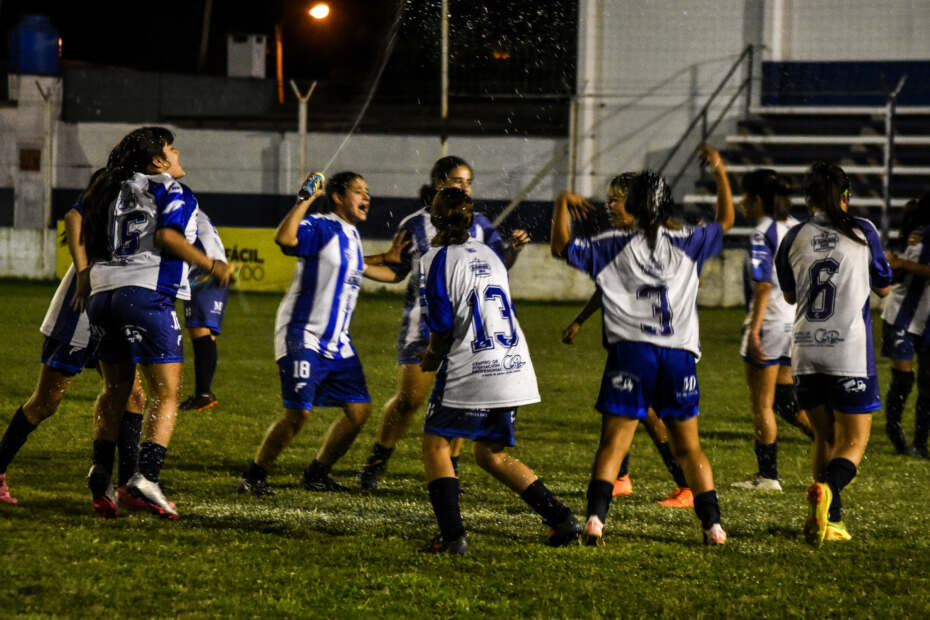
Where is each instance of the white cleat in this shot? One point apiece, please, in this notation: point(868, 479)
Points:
point(140, 486)
point(758, 483)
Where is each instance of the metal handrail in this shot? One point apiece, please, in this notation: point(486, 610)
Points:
point(745, 85)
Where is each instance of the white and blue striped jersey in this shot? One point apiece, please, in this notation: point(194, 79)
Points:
point(649, 295)
point(317, 308)
point(208, 241)
point(760, 267)
point(907, 307)
point(146, 203)
point(466, 291)
point(830, 276)
point(61, 321)
point(420, 232)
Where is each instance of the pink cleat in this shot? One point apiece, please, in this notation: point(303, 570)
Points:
point(716, 535)
point(128, 501)
point(593, 535)
point(5, 497)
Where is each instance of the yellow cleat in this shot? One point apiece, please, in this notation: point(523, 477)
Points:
point(819, 497)
point(837, 532)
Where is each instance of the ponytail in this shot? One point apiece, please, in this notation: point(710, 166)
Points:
point(451, 214)
point(825, 187)
point(650, 201)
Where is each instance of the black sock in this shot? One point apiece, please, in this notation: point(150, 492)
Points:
point(13, 439)
point(455, 464)
point(599, 496)
point(379, 454)
point(922, 423)
point(444, 496)
point(204, 363)
point(785, 406)
point(707, 508)
point(317, 470)
point(672, 465)
point(624, 466)
point(545, 503)
point(767, 459)
point(255, 472)
point(837, 475)
point(151, 460)
point(104, 454)
point(901, 384)
point(130, 429)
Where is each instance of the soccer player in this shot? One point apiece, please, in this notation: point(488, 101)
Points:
point(766, 342)
point(317, 361)
point(827, 266)
point(904, 325)
point(648, 271)
point(203, 316)
point(484, 374)
point(413, 384)
point(138, 228)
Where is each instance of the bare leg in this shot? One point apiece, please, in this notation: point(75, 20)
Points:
point(49, 390)
point(492, 458)
point(342, 432)
point(761, 383)
point(412, 389)
point(164, 383)
point(279, 436)
point(686, 446)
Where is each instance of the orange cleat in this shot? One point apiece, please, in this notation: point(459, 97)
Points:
point(622, 486)
point(682, 497)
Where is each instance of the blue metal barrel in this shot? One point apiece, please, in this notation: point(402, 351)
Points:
point(34, 46)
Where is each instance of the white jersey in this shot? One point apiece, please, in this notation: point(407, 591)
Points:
point(649, 295)
point(208, 241)
point(145, 204)
point(759, 266)
point(830, 275)
point(907, 307)
point(317, 308)
point(62, 322)
point(466, 291)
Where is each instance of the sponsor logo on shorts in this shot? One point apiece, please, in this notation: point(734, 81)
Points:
point(218, 307)
point(300, 385)
point(853, 386)
point(624, 382)
point(134, 333)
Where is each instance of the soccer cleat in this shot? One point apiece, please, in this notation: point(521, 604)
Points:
point(837, 532)
point(199, 402)
point(593, 535)
point(323, 484)
point(716, 535)
point(258, 488)
point(128, 501)
point(819, 497)
point(682, 497)
point(759, 483)
point(370, 476)
point(457, 546)
point(101, 488)
point(920, 451)
point(151, 492)
point(622, 486)
point(564, 533)
point(5, 497)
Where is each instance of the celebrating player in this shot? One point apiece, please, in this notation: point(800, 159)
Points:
point(766, 342)
point(413, 383)
point(317, 361)
point(827, 266)
point(484, 374)
point(648, 273)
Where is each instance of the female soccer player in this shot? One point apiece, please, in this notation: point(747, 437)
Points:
point(138, 230)
point(648, 273)
point(827, 265)
point(317, 361)
point(413, 383)
point(766, 342)
point(484, 374)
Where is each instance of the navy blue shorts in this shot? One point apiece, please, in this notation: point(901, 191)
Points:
point(67, 359)
point(639, 375)
point(206, 308)
point(899, 344)
point(310, 380)
point(136, 325)
point(843, 394)
point(494, 425)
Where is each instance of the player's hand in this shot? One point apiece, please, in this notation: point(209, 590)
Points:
point(754, 347)
point(914, 238)
point(518, 240)
point(81, 290)
point(398, 244)
point(578, 206)
point(430, 361)
point(222, 273)
point(312, 186)
point(893, 261)
point(711, 158)
point(568, 334)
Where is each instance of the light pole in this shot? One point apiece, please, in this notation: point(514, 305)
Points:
point(318, 11)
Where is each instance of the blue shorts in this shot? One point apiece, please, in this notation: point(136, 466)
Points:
point(495, 425)
point(68, 359)
point(639, 375)
point(843, 394)
point(136, 325)
point(310, 380)
point(899, 344)
point(206, 308)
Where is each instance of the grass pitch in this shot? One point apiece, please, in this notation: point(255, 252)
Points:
point(309, 554)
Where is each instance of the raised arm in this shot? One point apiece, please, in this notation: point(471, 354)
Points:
point(568, 206)
point(725, 214)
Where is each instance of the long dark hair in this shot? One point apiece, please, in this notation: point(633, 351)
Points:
point(650, 201)
point(439, 173)
point(134, 153)
point(338, 184)
point(451, 213)
point(916, 215)
point(825, 187)
point(772, 189)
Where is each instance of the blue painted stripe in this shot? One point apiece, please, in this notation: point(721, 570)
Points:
point(335, 307)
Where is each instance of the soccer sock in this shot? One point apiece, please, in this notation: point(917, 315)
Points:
point(672, 465)
point(922, 423)
point(545, 503)
point(455, 464)
point(379, 454)
point(599, 492)
point(130, 429)
point(151, 460)
point(256, 472)
point(786, 407)
point(901, 384)
point(837, 475)
point(707, 508)
point(444, 496)
point(104, 454)
point(204, 363)
point(13, 439)
point(767, 458)
point(624, 466)
point(316, 470)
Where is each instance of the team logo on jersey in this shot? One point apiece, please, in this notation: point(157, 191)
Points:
point(512, 362)
point(853, 386)
point(624, 382)
point(827, 336)
point(480, 268)
point(824, 242)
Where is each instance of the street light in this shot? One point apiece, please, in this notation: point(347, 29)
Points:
point(318, 11)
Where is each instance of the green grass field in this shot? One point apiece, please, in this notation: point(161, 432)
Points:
point(303, 554)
